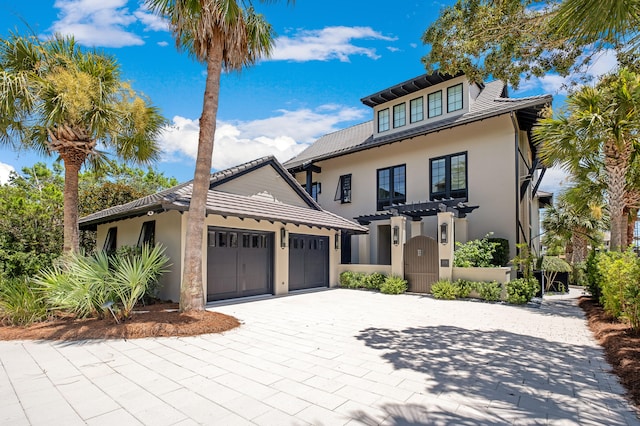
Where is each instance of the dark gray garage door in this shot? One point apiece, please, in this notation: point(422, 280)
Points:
point(239, 263)
point(308, 261)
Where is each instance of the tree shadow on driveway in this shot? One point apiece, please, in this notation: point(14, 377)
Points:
point(497, 377)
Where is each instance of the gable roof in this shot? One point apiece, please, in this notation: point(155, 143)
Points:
point(491, 102)
point(259, 207)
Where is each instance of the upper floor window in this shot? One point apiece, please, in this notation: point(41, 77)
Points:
point(454, 98)
point(343, 192)
point(449, 176)
point(391, 186)
point(147, 234)
point(399, 115)
point(316, 188)
point(417, 109)
point(110, 242)
point(383, 120)
point(435, 103)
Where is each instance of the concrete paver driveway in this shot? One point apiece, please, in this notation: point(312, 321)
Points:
point(329, 358)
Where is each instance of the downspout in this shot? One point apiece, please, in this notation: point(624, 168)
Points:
point(517, 179)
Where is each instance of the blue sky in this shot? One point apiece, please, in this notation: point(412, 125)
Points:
point(328, 55)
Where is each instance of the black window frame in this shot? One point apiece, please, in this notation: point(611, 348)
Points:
point(411, 114)
point(429, 115)
point(147, 234)
point(111, 240)
point(388, 121)
point(316, 188)
point(460, 85)
point(402, 118)
point(382, 203)
point(448, 192)
point(343, 191)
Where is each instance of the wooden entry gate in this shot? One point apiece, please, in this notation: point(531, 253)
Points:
point(421, 263)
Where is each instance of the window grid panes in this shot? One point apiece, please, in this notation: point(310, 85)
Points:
point(454, 98)
point(435, 104)
point(449, 177)
point(391, 186)
point(417, 109)
point(383, 120)
point(399, 115)
point(343, 191)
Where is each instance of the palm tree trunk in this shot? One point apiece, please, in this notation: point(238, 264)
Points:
point(617, 164)
point(192, 287)
point(72, 164)
point(580, 249)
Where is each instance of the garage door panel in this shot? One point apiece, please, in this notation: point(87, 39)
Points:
point(239, 263)
point(308, 261)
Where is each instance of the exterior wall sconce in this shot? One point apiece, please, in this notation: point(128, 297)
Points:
point(396, 235)
point(443, 232)
point(336, 242)
point(283, 238)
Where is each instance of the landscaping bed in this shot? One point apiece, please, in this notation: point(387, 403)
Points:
point(621, 345)
point(157, 320)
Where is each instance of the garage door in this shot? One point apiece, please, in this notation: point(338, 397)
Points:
point(239, 263)
point(308, 261)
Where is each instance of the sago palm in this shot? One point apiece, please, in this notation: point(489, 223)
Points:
point(225, 35)
point(57, 98)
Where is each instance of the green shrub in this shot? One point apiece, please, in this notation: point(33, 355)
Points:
point(620, 275)
point(374, 281)
point(350, 279)
point(464, 288)
point(593, 278)
point(393, 285)
point(474, 253)
point(501, 253)
point(444, 289)
point(489, 291)
point(522, 290)
point(20, 304)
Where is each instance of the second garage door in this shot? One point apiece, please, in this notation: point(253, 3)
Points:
point(308, 261)
point(239, 263)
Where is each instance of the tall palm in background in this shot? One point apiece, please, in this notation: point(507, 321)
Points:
point(57, 98)
point(225, 35)
point(601, 124)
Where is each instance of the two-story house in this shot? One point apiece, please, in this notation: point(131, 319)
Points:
point(436, 142)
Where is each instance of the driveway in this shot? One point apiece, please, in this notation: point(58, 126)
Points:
point(329, 358)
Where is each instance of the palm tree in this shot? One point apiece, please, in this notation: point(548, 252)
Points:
point(610, 21)
point(54, 97)
point(600, 124)
point(226, 35)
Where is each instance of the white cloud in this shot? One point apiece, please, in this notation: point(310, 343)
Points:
point(326, 44)
point(282, 136)
point(103, 23)
point(555, 180)
point(163, 43)
point(601, 64)
point(5, 171)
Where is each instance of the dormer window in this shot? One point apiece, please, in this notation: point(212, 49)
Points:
point(417, 109)
point(435, 104)
point(454, 98)
point(399, 115)
point(383, 120)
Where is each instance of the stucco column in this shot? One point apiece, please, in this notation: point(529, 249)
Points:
point(445, 246)
point(416, 228)
point(461, 232)
point(398, 238)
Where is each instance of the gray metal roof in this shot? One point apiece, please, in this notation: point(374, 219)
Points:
point(227, 204)
point(491, 102)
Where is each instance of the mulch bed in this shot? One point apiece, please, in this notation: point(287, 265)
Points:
point(620, 343)
point(157, 320)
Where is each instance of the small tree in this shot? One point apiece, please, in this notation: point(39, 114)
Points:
point(551, 267)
